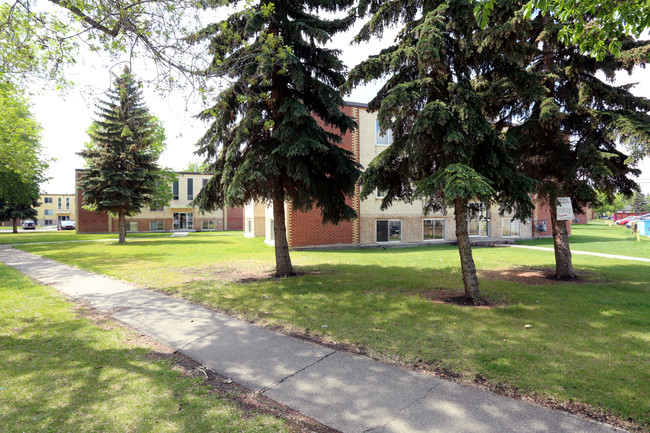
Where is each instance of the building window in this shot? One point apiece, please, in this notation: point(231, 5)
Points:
point(48, 200)
point(48, 222)
point(249, 225)
point(48, 212)
point(190, 189)
point(155, 207)
point(175, 189)
point(380, 193)
point(271, 231)
point(478, 223)
point(511, 227)
point(67, 202)
point(203, 182)
point(385, 139)
point(207, 225)
point(156, 226)
point(433, 230)
point(389, 230)
point(59, 203)
point(131, 226)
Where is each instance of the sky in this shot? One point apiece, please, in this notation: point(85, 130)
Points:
point(65, 117)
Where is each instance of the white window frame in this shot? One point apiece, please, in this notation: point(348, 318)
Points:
point(47, 200)
point(59, 203)
point(249, 225)
point(510, 221)
point(379, 194)
point(48, 212)
point(67, 202)
point(442, 220)
point(130, 224)
point(388, 134)
point(203, 225)
point(158, 223)
point(389, 221)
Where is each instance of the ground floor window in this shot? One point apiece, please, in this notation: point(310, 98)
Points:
point(249, 225)
point(156, 226)
point(271, 231)
point(48, 222)
point(389, 230)
point(63, 218)
point(183, 220)
point(511, 227)
point(207, 225)
point(433, 229)
point(479, 219)
point(131, 226)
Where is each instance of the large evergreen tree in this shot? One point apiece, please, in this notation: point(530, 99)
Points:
point(267, 140)
point(122, 174)
point(446, 149)
point(569, 122)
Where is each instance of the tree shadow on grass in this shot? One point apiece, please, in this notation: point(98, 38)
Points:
point(71, 382)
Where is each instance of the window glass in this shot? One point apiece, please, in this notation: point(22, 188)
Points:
point(58, 202)
point(395, 231)
point(511, 227)
point(190, 189)
point(49, 212)
point(155, 207)
point(67, 202)
point(208, 225)
point(478, 223)
point(249, 225)
point(158, 225)
point(382, 231)
point(131, 226)
point(175, 190)
point(385, 139)
point(48, 200)
point(203, 182)
point(271, 231)
point(433, 229)
point(48, 222)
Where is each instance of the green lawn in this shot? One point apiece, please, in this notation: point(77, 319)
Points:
point(30, 236)
point(589, 342)
point(62, 372)
point(598, 237)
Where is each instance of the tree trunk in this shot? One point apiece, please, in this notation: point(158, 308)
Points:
point(283, 266)
point(121, 227)
point(468, 268)
point(15, 224)
point(563, 265)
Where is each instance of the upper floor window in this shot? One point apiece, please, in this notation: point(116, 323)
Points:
point(190, 189)
point(175, 190)
point(203, 182)
point(67, 202)
point(156, 207)
point(59, 203)
point(385, 139)
point(48, 200)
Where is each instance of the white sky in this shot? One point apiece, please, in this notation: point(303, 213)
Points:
point(65, 118)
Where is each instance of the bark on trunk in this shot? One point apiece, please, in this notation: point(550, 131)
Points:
point(563, 265)
point(283, 266)
point(468, 269)
point(15, 224)
point(121, 227)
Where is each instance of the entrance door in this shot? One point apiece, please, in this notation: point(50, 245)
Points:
point(183, 220)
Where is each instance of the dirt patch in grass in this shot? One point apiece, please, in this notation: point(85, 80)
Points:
point(444, 296)
point(535, 276)
point(241, 272)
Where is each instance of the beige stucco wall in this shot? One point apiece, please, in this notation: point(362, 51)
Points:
point(256, 214)
point(66, 211)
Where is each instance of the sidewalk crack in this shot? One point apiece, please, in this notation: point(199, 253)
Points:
point(273, 385)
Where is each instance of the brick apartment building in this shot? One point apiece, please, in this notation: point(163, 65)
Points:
point(178, 216)
point(402, 223)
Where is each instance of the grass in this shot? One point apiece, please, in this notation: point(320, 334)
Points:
point(589, 342)
point(598, 237)
point(30, 236)
point(63, 372)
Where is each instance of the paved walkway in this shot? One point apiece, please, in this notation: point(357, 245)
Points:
point(346, 392)
point(584, 253)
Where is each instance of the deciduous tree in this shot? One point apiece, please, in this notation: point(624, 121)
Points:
point(18, 197)
point(267, 139)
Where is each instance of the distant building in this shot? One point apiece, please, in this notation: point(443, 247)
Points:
point(55, 208)
point(178, 216)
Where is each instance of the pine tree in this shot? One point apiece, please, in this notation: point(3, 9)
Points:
point(265, 142)
point(122, 174)
point(436, 102)
point(569, 122)
point(639, 203)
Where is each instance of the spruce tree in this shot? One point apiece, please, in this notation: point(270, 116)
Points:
point(447, 149)
point(569, 121)
point(274, 129)
point(639, 203)
point(122, 173)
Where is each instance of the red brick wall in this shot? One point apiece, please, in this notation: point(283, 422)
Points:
point(235, 218)
point(87, 221)
point(542, 212)
point(307, 228)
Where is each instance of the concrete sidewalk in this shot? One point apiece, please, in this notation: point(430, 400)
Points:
point(346, 392)
point(583, 253)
